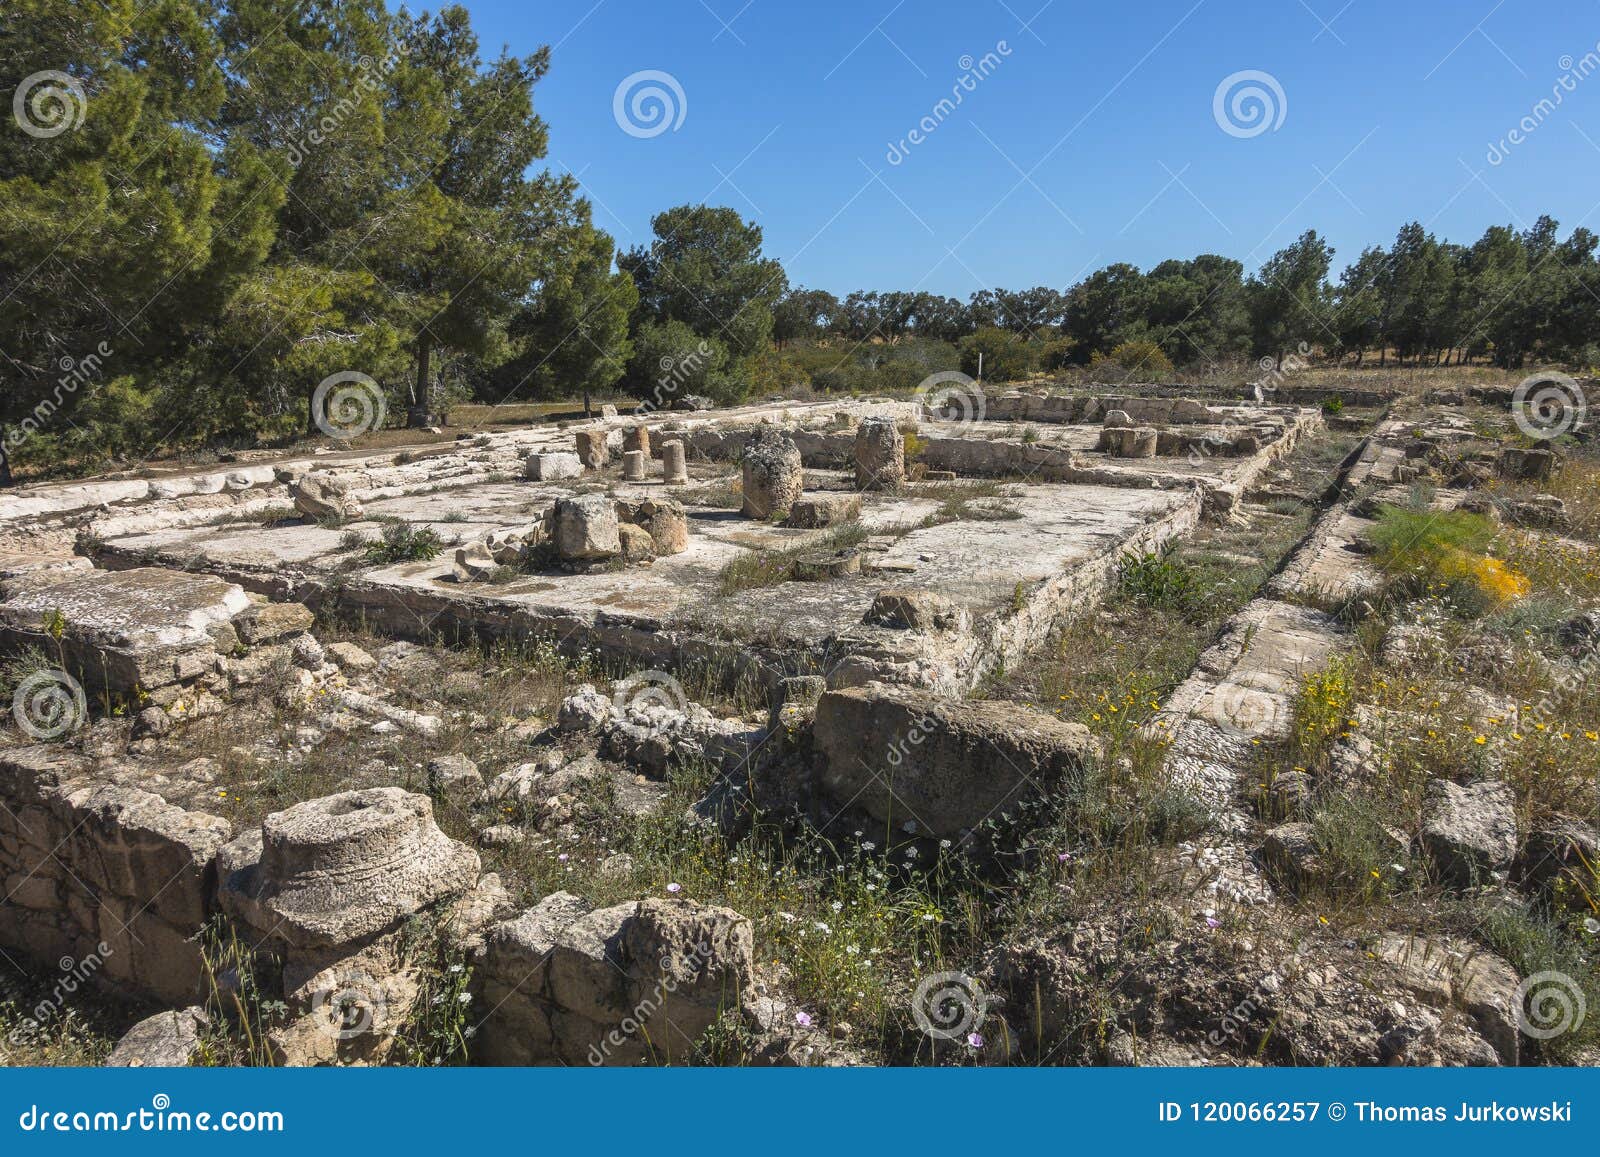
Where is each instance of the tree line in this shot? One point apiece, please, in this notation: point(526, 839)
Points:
point(208, 208)
point(1511, 295)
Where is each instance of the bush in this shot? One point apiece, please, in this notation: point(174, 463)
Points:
point(1059, 354)
point(1140, 356)
point(1153, 579)
point(401, 542)
point(1446, 550)
point(1006, 357)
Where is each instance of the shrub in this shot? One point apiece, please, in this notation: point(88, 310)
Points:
point(1322, 710)
point(1447, 549)
point(401, 542)
point(1152, 578)
point(1058, 354)
point(1006, 357)
point(1139, 356)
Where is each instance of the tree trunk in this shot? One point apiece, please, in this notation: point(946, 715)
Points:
point(588, 410)
point(6, 480)
point(422, 392)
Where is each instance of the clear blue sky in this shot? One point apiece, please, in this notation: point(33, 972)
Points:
point(1093, 139)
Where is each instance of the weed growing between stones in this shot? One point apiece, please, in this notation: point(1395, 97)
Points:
point(402, 542)
point(242, 1008)
point(771, 567)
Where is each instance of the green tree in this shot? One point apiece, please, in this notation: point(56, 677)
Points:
point(803, 314)
point(1196, 309)
point(1105, 309)
point(127, 218)
point(1358, 313)
point(460, 233)
point(574, 334)
point(1289, 297)
point(705, 269)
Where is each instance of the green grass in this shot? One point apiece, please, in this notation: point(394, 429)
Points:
point(767, 568)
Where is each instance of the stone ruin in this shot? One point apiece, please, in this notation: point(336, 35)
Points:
point(183, 595)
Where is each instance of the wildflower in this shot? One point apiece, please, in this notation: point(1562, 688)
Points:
point(1590, 924)
point(1213, 922)
point(803, 1019)
point(944, 843)
point(674, 888)
point(975, 1040)
point(838, 905)
point(456, 968)
point(562, 858)
point(465, 998)
point(909, 827)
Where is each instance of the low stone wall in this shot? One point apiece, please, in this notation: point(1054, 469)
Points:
point(92, 867)
point(115, 885)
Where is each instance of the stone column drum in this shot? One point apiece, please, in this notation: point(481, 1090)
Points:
point(773, 475)
point(674, 465)
point(880, 455)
